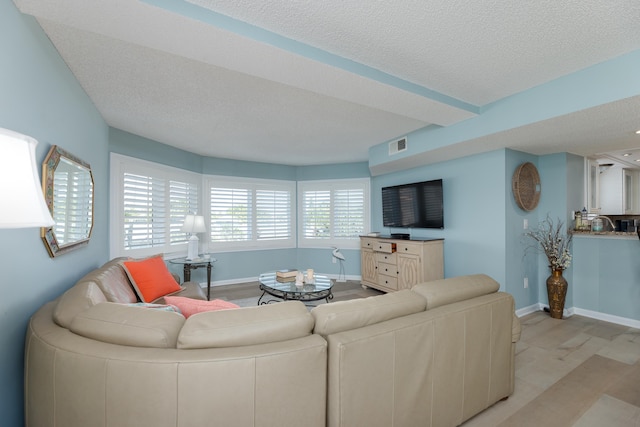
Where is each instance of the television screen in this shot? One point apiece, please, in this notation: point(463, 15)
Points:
point(416, 205)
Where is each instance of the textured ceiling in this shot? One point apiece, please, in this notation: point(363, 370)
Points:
point(302, 83)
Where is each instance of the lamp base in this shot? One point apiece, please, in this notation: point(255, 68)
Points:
point(192, 249)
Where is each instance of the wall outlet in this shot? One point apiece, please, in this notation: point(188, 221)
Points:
point(526, 282)
point(526, 224)
point(333, 260)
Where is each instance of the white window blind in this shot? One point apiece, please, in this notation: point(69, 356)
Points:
point(149, 203)
point(246, 214)
point(333, 212)
point(230, 214)
point(317, 214)
point(273, 215)
point(348, 213)
point(183, 198)
point(144, 211)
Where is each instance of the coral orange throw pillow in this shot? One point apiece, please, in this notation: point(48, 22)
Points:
point(151, 278)
point(190, 306)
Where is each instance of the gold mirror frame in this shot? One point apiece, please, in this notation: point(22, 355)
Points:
point(70, 203)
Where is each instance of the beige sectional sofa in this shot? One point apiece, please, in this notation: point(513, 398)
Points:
point(432, 356)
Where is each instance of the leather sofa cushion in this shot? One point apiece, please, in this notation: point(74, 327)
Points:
point(246, 326)
point(344, 315)
point(191, 290)
point(113, 281)
point(75, 300)
point(454, 289)
point(129, 325)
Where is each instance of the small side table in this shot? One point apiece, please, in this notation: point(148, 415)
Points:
point(194, 264)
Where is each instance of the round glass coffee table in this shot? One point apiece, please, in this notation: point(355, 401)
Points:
point(320, 289)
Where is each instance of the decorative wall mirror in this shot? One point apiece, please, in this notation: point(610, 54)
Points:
point(67, 182)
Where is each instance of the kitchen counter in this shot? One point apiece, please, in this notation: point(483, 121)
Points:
point(605, 234)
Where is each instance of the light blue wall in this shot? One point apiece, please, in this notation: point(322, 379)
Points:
point(554, 179)
point(41, 98)
point(474, 212)
point(520, 262)
point(127, 144)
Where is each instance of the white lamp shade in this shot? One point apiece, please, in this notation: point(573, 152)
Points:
point(193, 224)
point(21, 194)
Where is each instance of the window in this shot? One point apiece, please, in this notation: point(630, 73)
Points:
point(149, 203)
point(333, 213)
point(250, 213)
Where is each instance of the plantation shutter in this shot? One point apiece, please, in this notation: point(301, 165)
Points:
point(273, 214)
point(230, 214)
point(144, 211)
point(348, 213)
point(317, 214)
point(183, 201)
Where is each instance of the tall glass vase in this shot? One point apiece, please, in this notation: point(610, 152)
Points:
point(557, 292)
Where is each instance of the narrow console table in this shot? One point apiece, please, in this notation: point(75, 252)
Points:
point(194, 264)
point(391, 264)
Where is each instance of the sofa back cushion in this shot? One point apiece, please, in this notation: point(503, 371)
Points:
point(113, 281)
point(246, 326)
point(75, 300)
point(344, 315)
point(129, 325)
point(447, 291)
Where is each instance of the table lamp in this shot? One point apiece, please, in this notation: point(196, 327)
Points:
point(193, 224)
point(20, 189)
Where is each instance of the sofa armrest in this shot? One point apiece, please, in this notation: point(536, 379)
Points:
point(191, 290)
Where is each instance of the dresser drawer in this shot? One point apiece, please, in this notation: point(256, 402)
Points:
point(385, 247)
point(388, 282)
point(387, 269)
point(408, 248)
point(385, 257)
point(368, 243)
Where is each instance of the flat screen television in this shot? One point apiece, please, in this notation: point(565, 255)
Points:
point(416, 205)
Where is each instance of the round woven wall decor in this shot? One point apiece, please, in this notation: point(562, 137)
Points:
point(526, 186)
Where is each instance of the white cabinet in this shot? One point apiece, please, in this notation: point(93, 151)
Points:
point(619, 191)
point(394, 264)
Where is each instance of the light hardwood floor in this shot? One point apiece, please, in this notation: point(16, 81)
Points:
point(571, 372)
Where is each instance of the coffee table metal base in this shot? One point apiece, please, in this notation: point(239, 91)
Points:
point(318, 289)
point(324, 294)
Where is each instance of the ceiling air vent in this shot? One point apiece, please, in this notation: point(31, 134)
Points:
point(398, 146)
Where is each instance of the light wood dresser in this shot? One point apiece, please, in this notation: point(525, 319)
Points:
point(390, 264)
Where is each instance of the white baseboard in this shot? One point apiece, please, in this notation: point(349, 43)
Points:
point(528, 310)
point(608, 318)
point(568, 312)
